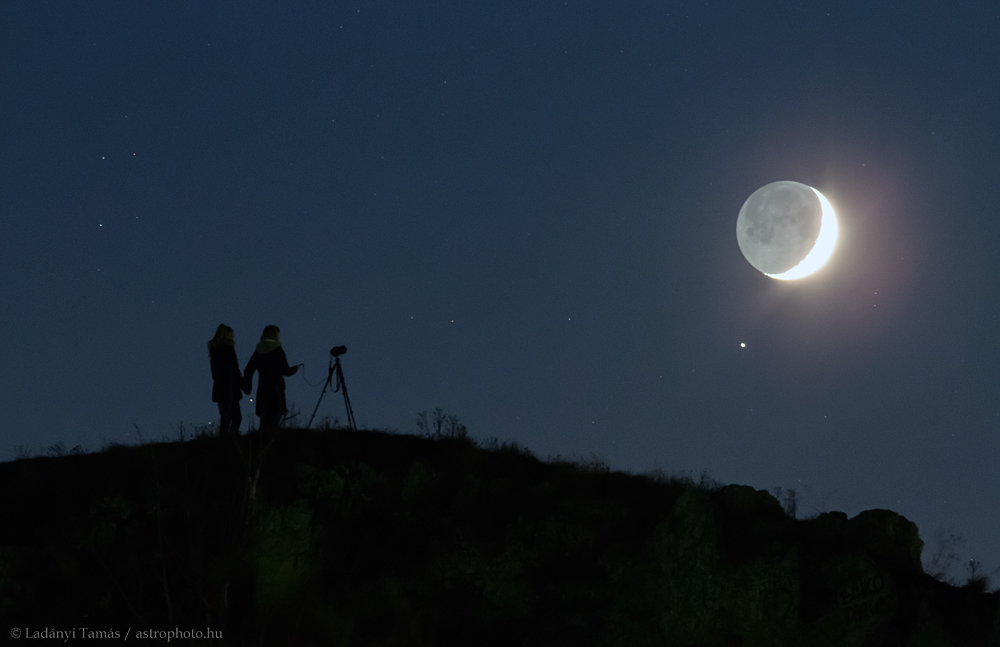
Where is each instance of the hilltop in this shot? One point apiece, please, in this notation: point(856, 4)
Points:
point(336, 537)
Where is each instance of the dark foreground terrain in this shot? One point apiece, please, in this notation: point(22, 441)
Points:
point(370, 538)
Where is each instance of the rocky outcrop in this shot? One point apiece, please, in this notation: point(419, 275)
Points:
point(731, 568)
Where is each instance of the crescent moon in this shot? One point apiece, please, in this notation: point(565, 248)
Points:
point(822, 248)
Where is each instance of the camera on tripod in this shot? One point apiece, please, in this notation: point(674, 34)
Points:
point(335, 378)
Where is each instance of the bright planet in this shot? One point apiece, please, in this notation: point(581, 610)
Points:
point(786, 230)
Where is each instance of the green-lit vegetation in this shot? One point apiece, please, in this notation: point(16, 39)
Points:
point(373, 538)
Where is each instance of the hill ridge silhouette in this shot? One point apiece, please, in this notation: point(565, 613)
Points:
point(363, 538)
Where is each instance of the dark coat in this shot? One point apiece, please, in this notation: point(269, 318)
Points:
point(270, 362)
point(226, 376)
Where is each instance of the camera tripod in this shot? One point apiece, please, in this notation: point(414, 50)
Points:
point(341, 385)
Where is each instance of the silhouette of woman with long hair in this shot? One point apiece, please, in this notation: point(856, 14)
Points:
point(271, 364)
point(226, 380)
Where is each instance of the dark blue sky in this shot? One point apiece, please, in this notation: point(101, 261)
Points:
point(523, 213)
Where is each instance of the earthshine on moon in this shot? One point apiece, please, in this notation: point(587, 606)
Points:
point(786, 230)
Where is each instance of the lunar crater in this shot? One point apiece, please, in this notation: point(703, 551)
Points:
point(779, 225)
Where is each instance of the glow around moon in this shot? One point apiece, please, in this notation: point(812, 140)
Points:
point(787, 230)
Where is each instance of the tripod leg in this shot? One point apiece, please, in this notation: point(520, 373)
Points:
point(317, 404)
point(341, 384)
point(322, 393)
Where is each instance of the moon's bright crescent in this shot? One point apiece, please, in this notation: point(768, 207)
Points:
point(822, 248)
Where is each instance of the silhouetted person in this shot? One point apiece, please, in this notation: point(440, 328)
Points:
point(226, 381)
point(271, 364)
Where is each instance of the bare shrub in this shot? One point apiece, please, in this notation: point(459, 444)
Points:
point(789, 500)
point(440, 425)
point(595, 464)
point(945, 555)
point(57, 449)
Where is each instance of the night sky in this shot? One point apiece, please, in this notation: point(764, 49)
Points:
point(522, 212)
